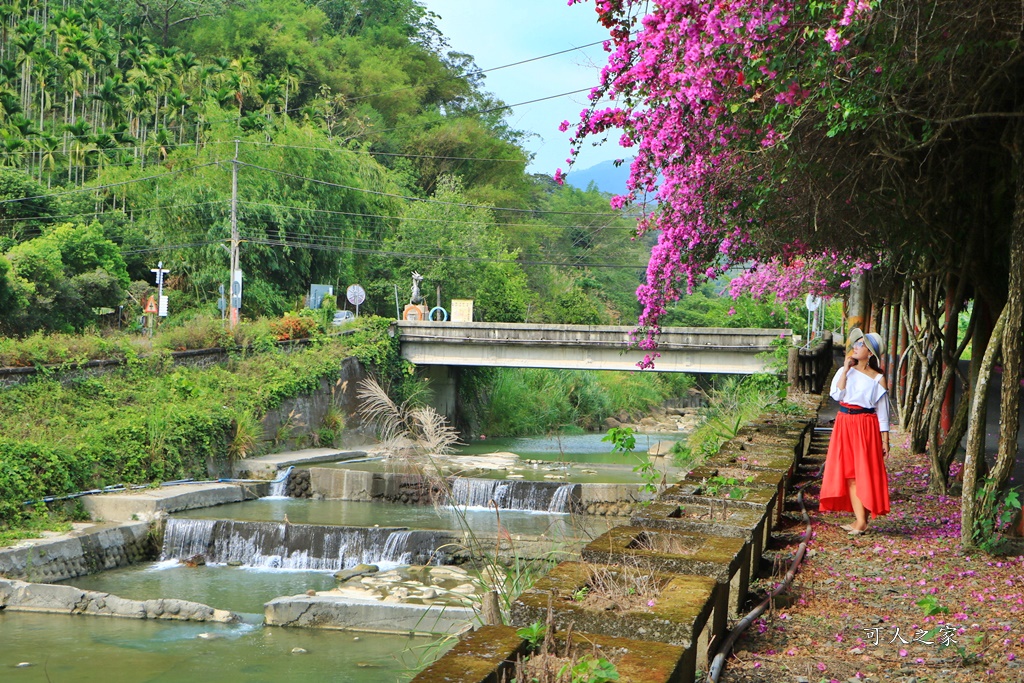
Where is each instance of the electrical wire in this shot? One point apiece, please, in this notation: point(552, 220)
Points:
point(445, 257)
point(422, 199)
point(446, 221)
point(381, 154)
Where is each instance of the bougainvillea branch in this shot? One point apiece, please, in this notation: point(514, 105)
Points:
point(702, 88)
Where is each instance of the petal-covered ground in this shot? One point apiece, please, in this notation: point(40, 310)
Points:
point(901, 603)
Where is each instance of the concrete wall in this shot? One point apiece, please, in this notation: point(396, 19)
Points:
point(105, 546)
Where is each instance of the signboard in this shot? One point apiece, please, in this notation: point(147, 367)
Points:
point(162, 312)
point(236, 290)
point(150, 305)
point(317, 294)
point(355, 295)
point(462, 310)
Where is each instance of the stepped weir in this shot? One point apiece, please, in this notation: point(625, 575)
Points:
point(516, 495)
point(313, 547)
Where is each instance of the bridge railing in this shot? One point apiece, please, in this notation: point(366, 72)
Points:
point(810, 367)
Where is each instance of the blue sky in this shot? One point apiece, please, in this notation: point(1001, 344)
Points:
point(501, 32)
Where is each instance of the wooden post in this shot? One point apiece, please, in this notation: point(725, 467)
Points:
point(490, 611)
point(793, 368)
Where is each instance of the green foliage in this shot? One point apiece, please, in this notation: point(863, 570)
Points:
point(574, 307)
point(930, 605)
point(533, 634)
point(729, 487)
point(150, 421)
point(993, 515)
point(733, 402)
point(62, 276)
point(521, 402)
point(710, 305)
point(623, 441)
point(590, 670)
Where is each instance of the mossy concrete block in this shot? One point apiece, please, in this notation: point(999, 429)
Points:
point(726, 560)
point(793, 434)
point(489, 654)
point(483, 656)
point(680, 614)
point(768, 489)
point(758, 478)
point(639, 661)
point(754, 499)
point(755, 458)
point(766, 503)
point(734, 522)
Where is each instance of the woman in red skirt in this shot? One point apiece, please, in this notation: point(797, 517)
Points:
point(855, 479)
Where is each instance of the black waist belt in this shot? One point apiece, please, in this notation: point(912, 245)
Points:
point(855, 410)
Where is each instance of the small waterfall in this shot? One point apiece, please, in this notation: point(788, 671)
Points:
point(297, 546)
point(279, 486)
point(539, 496)
point(185, 538)
point(415, 547)
point(562, 500)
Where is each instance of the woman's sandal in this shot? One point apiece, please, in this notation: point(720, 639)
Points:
point(846, 527)
point(857, 532)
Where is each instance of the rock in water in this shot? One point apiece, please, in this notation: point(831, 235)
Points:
point(299, 651)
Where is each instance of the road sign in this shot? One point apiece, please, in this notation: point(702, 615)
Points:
point(151, 305)
point(162, 310)
point(160, 271)
point(355, 295)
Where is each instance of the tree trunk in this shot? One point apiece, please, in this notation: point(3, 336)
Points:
point(976, 435)
point(1013, 312)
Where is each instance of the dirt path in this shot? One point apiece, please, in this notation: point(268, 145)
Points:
point(901, 603)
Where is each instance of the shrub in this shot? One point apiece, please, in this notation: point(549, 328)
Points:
point(293, 326)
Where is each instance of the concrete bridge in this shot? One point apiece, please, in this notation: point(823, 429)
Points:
point(711, 350)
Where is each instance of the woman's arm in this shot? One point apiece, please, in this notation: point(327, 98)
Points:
point(838, 390)
point(882, 410)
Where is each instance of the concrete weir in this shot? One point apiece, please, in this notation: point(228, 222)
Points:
point(339, 613)
point(150, 504)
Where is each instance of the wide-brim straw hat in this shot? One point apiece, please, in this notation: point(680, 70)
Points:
point(872, 340)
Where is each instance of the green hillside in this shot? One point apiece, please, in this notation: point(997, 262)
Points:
point(366, 150)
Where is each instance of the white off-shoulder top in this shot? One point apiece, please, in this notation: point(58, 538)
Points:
point(865, 392)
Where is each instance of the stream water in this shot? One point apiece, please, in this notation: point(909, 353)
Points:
point(82, 649)
point(69, 649)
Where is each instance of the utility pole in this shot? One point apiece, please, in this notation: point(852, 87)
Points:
point(236, 275)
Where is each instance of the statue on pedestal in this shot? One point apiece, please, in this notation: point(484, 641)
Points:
point(417, 309)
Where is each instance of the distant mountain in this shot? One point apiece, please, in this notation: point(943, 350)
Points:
point(606, 175)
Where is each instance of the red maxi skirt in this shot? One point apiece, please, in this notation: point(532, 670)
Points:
point(855, 452)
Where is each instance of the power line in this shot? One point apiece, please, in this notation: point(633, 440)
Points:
point(481, 111)
point(477, 72)
point(424, 200)
point(439, 220)
point(382, 154)
point(171, 247)
point(443, 257)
